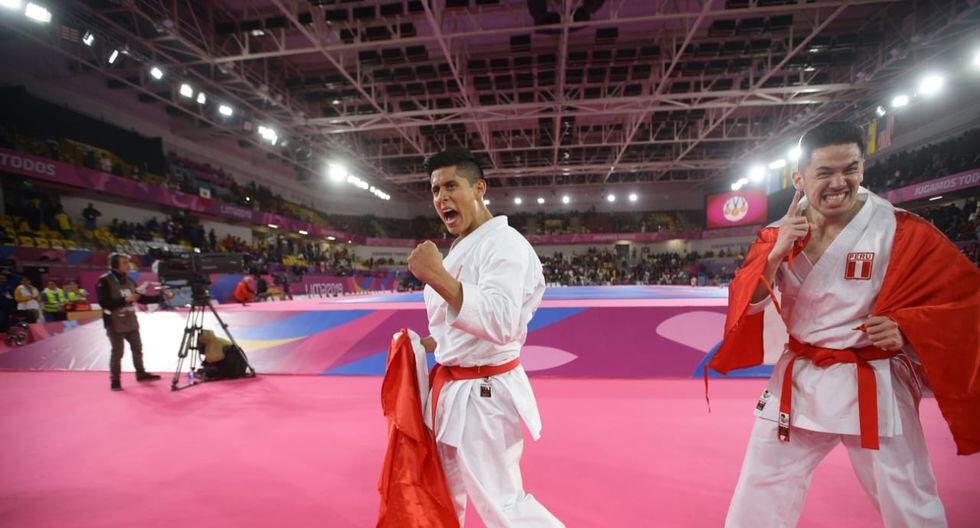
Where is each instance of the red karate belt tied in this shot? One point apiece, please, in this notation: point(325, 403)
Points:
point(866, 382)
point(440, 374)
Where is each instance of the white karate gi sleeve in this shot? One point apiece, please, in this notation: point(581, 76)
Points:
point(491, 309)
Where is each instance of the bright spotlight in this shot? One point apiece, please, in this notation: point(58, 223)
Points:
point(11, 4)
point(88, 39)
point(793, 154)
point(742, 181)
point(336, 172)
point(880, 111)
point(37, 13)
point(736, 186)
point(610, 198)
point(565, 199)
point(273, 226)
point(186, 90)
point(931, 84)
point(540, 201)
point(900, 100)
point(113, 56)
point(518, 201)
point(157, 73)
point(331, 238)
point(778, 164)
point(335, 102)
point(633, 197)
point(757, 173)
point(486, 202)
point(976, 58)
point(225, 110)
point(268, 134)
point(303, 232)
point(201, 98)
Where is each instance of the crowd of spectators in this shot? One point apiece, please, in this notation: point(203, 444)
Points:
point(608, 267)
point(940, 159)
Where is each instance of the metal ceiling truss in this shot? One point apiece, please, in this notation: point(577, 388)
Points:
point(672, 90)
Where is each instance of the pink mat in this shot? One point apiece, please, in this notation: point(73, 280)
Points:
point(302, 451)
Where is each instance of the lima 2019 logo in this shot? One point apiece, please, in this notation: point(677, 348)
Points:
point(735, 208)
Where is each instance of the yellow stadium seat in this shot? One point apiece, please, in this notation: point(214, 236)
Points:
point(56, 243)
point(40, 242)
point(26, 241)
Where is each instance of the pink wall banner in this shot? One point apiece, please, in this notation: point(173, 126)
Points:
point(66, 174)
point(956, 182)
point(738, 208)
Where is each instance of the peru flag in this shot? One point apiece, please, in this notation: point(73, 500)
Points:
point(859, 266)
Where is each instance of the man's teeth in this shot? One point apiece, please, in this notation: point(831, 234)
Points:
point(834, 198)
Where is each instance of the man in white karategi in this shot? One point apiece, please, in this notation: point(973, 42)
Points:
point(847, 375)
point(479, 301)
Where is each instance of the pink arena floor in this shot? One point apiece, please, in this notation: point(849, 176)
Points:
point(304, 451)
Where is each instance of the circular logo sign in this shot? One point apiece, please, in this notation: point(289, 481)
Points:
point(735, 208)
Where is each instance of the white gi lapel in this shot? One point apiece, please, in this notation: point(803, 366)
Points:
point(821, 273)
point(464, 247)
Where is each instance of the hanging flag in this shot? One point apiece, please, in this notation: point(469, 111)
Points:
point(872, 137)
point(885, 131)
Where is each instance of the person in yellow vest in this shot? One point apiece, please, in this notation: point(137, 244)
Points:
point(77, 296)
point(53, 301)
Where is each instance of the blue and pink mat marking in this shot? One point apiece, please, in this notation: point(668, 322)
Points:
point(580, 332)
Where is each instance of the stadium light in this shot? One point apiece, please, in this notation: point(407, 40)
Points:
point(335, 102)
point(331, 238)
point(11, 4)
point(540, 200)
point(757, 173)
point(186, 90)
point(976, 58)
point(157, 73)
point(336, 172)
point(931, 84)
point(633, 197)
point(486, 202)
point(736, 186)
point(225, 110)
point(793, 154)
point(88, 39)
point(565, 199)
point(934, 198)
point(778, 164)
point(880, 111)
point(113, 56)
point(303, 232)
point(273, 226)
point(518, 201)
point(268, 134)
point(900, 100)
point(37, 13)
point(201, 98)
point(610, 198)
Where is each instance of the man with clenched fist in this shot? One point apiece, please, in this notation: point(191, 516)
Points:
point(479, 300)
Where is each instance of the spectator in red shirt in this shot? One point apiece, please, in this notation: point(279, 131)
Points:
point(244, 292)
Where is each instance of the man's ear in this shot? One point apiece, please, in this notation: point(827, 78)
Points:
point(797, 180)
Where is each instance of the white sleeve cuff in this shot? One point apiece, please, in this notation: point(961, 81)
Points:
point(760, 306)
point(468, 317)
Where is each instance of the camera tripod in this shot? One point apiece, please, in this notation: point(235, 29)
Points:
point(192, 330)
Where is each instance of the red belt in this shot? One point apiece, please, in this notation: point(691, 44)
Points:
point(440, 374)
point(867, 385)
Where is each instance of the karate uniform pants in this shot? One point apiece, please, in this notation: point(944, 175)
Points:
point(486, 467)
point(897, 477)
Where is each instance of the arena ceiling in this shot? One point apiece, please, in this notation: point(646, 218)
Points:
point(546, 92)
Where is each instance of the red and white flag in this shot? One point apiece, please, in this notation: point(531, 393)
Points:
point(859, 266)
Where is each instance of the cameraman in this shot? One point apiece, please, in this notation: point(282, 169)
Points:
point(117, 296)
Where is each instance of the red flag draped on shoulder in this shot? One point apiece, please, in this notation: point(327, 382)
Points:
point(933, 292)
point(414, 492)
point(930, 289)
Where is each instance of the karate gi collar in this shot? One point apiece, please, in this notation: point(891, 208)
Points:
point(460, 244)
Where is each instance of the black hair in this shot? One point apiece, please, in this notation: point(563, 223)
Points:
point(114, 259)
point(829, 134)
point(466, 164)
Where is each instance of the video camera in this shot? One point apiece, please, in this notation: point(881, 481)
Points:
point(194, 270)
